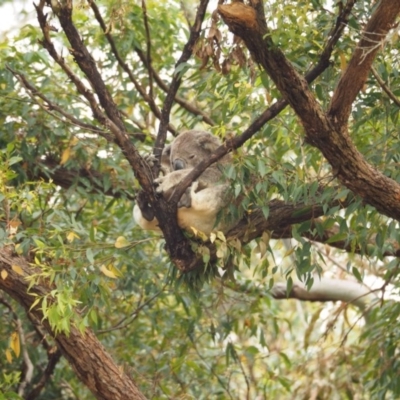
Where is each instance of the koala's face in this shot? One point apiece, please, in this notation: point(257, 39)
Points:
point(190, 148)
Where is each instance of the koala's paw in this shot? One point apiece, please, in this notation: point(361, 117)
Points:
point(151, 159)
point(160, 183)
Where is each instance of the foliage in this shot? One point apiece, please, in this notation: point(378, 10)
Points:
point(67, 193)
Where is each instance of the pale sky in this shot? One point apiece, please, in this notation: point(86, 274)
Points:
point(14, 14)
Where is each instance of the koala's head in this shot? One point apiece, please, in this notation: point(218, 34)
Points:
point(192, 147)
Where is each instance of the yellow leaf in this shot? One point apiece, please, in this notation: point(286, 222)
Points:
point(72, 236)
point(15, 344)
point(107, 272)
point(13, 226)
point(265, 237)
point(121, 242)
point(65, 155)
point(74, 141)
point(289, 252)
point(221, 236)
point(114, 270)
point(17, 269)
point(3, 274)
point(343, 62)
point(18, 248)
point(213, 236)
point(8, 355)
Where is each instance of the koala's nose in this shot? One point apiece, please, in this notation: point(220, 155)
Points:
point(178, 164)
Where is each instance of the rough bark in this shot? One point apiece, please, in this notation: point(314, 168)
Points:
point(326, 131)
point(86, 355)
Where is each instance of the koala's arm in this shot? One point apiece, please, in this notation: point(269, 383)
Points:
point(202, 201)
point(205, 206)
point(168, 183)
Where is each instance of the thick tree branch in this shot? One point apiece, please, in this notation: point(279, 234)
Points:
point(356, 73)
point(91, 363)
point(327, 134)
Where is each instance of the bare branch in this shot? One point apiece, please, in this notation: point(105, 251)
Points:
point(325, 289)
point(148, 44)
point(192, 108)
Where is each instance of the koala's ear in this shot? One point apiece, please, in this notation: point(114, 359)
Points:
point(208, 142)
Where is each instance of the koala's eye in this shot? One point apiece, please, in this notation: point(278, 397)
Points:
point(178, 164)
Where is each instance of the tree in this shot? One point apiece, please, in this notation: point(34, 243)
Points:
point(306, 99)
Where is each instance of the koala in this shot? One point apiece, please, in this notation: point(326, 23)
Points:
point(202, 201)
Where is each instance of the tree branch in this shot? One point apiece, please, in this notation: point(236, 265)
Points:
point(67, 177)
point(177, 78)
point(54, 356)
point(356, 73)
point(325, 289)
point(385, 88)
point(148, 98)
point(331, 138)
point(271, 112)
point(313, 234)
point(91, 363)
point(87, 64)
point(192, 108)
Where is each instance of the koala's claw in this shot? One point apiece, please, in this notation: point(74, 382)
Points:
point(158, 183)
point(151, 159)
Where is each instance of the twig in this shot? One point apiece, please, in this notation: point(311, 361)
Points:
point(148, 46)
point(385, 87)
point(28, 370)
point(179, 100)
point(54, 356)
point(33, 93)
point(132, 316)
